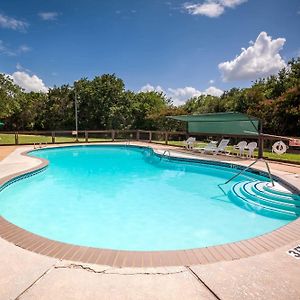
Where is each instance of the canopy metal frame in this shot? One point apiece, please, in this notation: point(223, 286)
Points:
point(226, 117)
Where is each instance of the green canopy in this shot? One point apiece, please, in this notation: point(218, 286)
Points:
point(230, 123)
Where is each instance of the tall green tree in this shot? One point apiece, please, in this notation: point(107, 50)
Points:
point(204, 104)
point(10, 98)
point(100, 101)
point(146, 104)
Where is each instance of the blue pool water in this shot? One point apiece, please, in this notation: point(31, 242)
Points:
point(127, 198)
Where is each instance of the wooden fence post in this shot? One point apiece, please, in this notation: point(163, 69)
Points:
point(150, 136)
point(113, 135)
point(16, 138)
point(53, 137)
point(137, 134)
point(260, 147)
point(86, 134)
point(166, 138)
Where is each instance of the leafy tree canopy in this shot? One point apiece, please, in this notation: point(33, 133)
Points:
point(104, 103)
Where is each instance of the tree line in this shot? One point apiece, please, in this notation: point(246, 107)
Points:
point(104, 103)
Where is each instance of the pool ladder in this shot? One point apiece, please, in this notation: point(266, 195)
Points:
point(39, 145)
point(165, 154)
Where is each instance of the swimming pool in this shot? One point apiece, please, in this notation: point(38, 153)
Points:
point(128, 198)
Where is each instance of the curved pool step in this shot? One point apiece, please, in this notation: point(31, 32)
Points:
point(249, 190)
point(278, 190)
point(243, 192)
point(260, 209)
point(258, 189)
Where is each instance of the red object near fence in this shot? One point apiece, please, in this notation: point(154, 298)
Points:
point(294, 143)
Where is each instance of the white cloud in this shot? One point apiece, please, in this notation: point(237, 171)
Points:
point(258, 60)
point(19, 67)
point(232, 3)
point(24, 48)
point(150, 88)
point(213, 91)
point(211, 8)
point(11, 23)
point(180, 95)
point(48, 16)
point(5, 49)
point(211, 81)
point(29, 83)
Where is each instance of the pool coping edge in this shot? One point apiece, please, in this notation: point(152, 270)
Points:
point(122, 258)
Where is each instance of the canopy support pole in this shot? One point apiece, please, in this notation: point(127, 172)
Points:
point(260, 142)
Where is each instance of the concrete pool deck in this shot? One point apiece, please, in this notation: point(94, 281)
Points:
point(27, 275)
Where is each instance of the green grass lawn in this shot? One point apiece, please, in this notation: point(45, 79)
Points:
point(290, 157)
point(6, 139)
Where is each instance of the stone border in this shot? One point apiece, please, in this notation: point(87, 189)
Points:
point(119, 258)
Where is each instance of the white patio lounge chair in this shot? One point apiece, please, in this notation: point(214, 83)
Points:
point(213, 148)
point(251, 147)
point(222, 147)
point(240, 147)
point(189, 143)
point(209, 147)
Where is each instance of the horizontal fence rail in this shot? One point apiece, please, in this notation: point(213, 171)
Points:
point(174, 138)
point(86, 136)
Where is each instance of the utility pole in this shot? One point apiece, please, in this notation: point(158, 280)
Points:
point(76, 113)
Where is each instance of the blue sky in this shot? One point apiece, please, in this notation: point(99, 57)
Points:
point(182, 48)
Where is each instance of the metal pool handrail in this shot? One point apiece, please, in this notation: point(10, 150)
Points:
point(247, 168)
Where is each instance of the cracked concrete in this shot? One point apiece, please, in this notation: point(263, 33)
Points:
point(123, 271)
point(66, 280)
point(66, 284)
point(94, 269)
point(26, 275)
